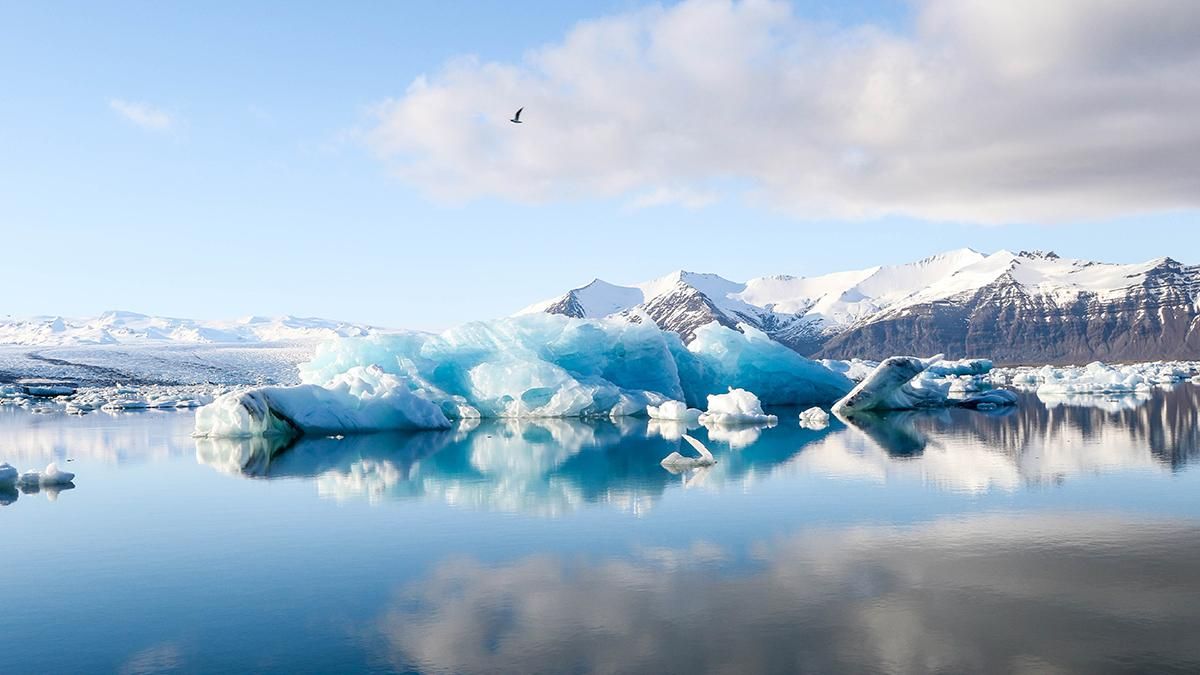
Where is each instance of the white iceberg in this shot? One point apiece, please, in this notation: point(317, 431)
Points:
point(678, 461)
point(50, 477)
point(814, 418)
point(673, 411)
point(734, 408)
point(359, 400)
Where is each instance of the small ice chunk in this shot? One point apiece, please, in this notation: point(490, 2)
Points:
point(814, 418)
point(891, 387)
point(675, 411)
point(737, 407)
point(990, 400)
point(8, 475)
point(53, 477)
point(678, 461)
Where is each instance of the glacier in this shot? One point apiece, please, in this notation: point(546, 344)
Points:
point(540, 365)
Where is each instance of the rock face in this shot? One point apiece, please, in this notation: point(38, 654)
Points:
point(1027, 307)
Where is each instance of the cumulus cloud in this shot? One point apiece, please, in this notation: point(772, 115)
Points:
point(143, 115)
point(986, 112)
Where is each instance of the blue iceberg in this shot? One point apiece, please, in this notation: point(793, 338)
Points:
point(540, 365)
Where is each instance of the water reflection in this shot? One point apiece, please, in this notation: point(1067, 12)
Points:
point(551, 467)
point(990, 594)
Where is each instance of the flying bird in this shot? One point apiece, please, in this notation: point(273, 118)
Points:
point(517, 117)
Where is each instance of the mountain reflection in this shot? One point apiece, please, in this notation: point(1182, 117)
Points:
point(554, 466)
point(983, 594)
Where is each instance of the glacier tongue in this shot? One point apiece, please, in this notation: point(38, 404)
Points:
point(538, 365)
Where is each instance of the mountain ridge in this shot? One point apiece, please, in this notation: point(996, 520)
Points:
point(1024, 307)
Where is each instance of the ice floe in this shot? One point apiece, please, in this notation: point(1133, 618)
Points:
point(673, 411)
point(8, 475)
point(908, 383)
point(814, 418)
point(1099, 377)
point(737, 407)
point(52, 476)
point(678, 461)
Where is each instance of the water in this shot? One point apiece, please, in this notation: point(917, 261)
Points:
point(1061, 538)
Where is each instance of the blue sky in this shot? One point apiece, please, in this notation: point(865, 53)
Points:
point(221, 159)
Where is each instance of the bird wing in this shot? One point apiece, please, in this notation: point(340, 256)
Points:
point(518, 115)
point(698, 446)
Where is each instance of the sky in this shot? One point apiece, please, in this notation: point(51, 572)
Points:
point(215, 160)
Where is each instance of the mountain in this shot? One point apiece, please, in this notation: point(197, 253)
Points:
point(126, 328)
point(1026, 307)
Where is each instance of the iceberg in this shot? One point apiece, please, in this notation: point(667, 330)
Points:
point(51, 477)
point(814, 418)
point(735, 408)
point(359, 400)
point(673, 411)
point(908, 383)
point(678, 461)
point(528, 366)
point(8, 475)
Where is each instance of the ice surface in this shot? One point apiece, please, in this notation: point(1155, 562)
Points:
point(361, 399)
point(674, 411)
point(814, 418)
point(989, 400)
point(734, 408)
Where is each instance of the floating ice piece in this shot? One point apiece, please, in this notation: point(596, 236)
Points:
point(891, 387)
point(674, 411)
point(989, 400)
point(678, 461)
point(50, 477)
point(736, 407)
point(943, 368)
point(8, 475)
point(856, 370)
point(814, 418)
point(359, 400)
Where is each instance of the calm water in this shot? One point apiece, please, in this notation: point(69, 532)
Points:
point(1055, 538)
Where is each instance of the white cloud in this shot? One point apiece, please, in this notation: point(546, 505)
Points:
point(144, 115)
point(988, 112)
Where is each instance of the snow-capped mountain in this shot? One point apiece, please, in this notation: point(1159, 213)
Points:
point(124, 328)
point(1012, 307)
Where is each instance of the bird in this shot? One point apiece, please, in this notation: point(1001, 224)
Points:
point(517, 117)
point(678, 461)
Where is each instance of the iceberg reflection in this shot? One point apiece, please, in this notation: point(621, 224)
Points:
point(556, 466)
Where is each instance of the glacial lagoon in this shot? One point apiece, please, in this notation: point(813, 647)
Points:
point(1059, 535)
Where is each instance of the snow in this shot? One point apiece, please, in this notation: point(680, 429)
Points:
point(814, 418)
point(735, 408)
point(131, 328)
point(673, 411)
